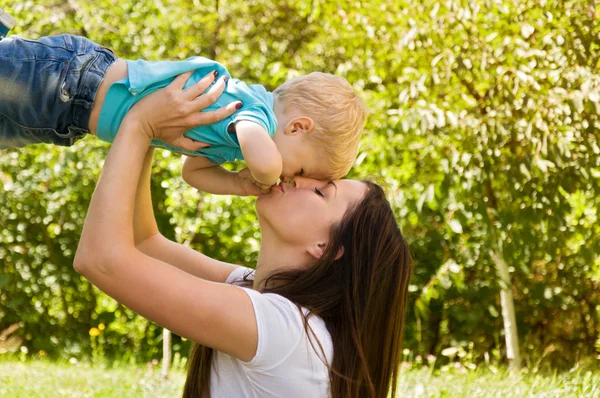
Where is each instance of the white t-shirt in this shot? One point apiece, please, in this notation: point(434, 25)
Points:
point(285, 363)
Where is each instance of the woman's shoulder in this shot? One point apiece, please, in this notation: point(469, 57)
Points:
point(244, 277)
point(237, 276)
point(280, 324)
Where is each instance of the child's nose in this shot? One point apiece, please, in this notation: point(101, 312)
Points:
point(304, 182)
point(297, 181)
point(286, 178)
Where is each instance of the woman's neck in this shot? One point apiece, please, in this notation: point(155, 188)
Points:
point(273, 257)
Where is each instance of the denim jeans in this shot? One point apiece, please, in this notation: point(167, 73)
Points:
point(47, 88)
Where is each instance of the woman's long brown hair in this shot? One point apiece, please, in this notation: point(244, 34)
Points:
point(361, 297)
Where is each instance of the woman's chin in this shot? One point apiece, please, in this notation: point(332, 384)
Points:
point(265, 204)
point(259, 201)
point(268, 196)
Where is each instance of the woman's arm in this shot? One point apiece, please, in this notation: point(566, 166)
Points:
point(218, 315)
point(150, 241)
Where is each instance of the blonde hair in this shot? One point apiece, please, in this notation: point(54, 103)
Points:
point(338, 112)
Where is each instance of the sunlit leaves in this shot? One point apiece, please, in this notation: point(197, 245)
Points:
point(484, 126)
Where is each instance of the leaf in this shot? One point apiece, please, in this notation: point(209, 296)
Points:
point(455, 226)
point(450, 351)
point(4, 279)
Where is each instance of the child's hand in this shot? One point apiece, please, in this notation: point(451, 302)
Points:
point(250, 185)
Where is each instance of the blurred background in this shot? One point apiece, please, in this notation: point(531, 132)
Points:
point(484, 126)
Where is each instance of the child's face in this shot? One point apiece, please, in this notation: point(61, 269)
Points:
point(301, 158)
point(300, 153)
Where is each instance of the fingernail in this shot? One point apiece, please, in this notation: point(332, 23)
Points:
point(215, 73)
point(238, 106)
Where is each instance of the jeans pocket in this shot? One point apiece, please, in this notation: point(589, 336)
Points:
point(15, 135)
point(47, 136)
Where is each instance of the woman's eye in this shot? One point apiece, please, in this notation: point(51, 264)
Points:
point(318, 191)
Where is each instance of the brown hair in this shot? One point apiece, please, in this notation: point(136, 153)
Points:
point(361, 297)
point(336, 109)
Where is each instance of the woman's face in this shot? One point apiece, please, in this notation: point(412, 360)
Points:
point(304, 212)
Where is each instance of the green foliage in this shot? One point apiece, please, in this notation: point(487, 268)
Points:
point(484, 126)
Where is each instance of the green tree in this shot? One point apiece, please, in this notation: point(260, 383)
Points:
point(484, 126)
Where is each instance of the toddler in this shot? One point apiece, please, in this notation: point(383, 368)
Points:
point(59, 88)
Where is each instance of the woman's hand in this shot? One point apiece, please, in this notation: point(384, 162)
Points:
point(171, 111)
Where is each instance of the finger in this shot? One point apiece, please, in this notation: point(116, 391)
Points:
point(190, 145)
point(180, 80)
point(202, 118)
point(199, 87)
point(252, 190)
point(207, 99)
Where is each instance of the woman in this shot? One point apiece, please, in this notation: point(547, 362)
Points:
point(322, 315)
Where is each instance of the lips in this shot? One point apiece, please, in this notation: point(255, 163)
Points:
point(279, 187)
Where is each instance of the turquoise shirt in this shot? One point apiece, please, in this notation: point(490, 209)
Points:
point(146, 77)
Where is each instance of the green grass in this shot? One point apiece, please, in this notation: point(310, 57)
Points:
point(45, 379)
point(488, 384)
point(37, 379)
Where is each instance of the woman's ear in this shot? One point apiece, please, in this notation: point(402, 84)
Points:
point(340, 253)
point(300, 125)
point(317, 251)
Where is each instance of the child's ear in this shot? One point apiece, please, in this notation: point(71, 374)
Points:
point(300, 125)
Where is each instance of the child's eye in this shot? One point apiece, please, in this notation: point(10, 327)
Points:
point(318, 192)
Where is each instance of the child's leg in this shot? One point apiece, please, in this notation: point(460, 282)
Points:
point(48, 88)
point(6, 23)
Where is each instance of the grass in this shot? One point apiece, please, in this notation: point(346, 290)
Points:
point(35, 379)
point(41, 379)
point(487, 384)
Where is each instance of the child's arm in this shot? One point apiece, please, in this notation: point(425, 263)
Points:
point(260, 153)
point(206, 176)
point(261, 156)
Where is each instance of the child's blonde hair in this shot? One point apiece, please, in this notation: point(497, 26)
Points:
point(338, 112)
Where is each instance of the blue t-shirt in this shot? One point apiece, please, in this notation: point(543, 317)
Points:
point(146, 77)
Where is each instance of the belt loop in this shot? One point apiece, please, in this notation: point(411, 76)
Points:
point(68, 41)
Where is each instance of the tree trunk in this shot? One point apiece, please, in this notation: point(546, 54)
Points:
point(166, 360)
point(508, 312)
